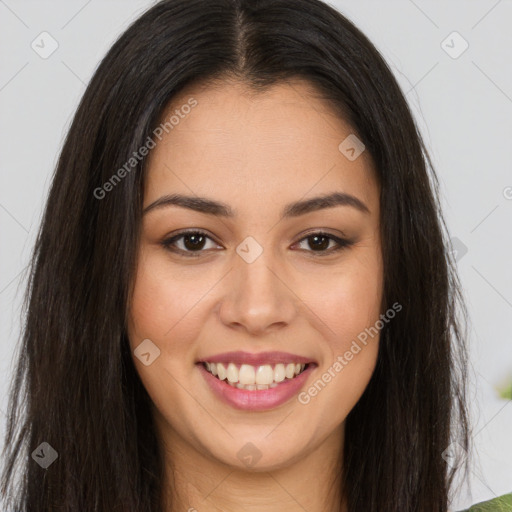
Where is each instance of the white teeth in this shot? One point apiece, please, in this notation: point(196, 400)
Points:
point(254, 377)
point(232, 373)
point(265, 375)
point(279, 373)
point(290, 370)
point(247, 375)
point(221, 371)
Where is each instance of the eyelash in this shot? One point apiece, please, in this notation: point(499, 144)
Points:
point(342, 243)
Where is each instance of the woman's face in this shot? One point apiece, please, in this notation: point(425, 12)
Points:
point(257, 282)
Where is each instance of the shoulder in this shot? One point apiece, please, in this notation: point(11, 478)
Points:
point(501, 504)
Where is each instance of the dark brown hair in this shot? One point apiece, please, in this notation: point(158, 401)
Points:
point(75, 385)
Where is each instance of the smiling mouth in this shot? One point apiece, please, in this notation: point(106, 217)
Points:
point(253, 378)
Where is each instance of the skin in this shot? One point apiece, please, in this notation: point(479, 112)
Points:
point(255, 153)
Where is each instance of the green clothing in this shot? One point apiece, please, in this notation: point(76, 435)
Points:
point(501, 504)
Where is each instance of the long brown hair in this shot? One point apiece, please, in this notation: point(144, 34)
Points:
point(75, 385)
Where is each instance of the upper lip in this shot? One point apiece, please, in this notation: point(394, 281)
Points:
point(259, 359)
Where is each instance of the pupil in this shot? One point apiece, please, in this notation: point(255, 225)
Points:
point(195, 244)
point(197, 241)
point(319, 245)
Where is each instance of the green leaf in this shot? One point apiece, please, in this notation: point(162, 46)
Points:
point(501, 504)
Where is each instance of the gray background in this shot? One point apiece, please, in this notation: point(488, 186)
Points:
point(462, 105)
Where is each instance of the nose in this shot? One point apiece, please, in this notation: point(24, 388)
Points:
point(258, 298)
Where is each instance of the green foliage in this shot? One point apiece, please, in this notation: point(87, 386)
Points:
point(501, 504)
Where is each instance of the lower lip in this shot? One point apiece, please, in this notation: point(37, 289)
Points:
point(259, 399)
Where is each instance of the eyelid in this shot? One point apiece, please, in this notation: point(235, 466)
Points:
point(168, 241)
point(341, 241)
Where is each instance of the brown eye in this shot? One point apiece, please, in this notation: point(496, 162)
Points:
point(319, 243)
point(194, 241)
point(191, 241)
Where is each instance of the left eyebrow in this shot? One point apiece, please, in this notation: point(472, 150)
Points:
point(319, 203)
point(295, 209)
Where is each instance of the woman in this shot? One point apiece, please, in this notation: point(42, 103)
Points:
point(241, 296)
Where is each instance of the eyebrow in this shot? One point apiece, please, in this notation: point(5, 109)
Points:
point(219, 209)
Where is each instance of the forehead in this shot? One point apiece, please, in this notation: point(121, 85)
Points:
point(234, 143)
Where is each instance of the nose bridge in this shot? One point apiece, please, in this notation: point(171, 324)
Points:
point(257, 298)
point(257, 276)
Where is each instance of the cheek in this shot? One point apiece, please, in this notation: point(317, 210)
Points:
point(347, 301)
point(163, 302)
point(151, 313)
point(358, 307)
point(162, 310)
point(349, 310)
